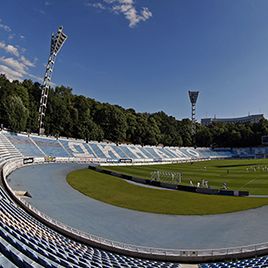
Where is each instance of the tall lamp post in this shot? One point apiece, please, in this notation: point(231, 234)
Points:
point(57, 41)
point(193, 95)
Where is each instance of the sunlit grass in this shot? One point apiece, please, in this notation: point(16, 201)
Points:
point(120, 193)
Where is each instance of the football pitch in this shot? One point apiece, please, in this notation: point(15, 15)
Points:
point(245, 175)
point(248, 175)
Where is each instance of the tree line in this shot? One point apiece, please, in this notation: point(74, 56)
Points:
point(81, 117)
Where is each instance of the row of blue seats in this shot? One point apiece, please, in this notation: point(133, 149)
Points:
point(7, 150)
point(44, 246)
point(41, 146)
point(245, 263)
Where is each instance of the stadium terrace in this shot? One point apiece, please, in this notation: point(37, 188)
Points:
point(30, 238)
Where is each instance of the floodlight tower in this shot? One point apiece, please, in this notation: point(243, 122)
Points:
point(193, 99)
point(57, 41)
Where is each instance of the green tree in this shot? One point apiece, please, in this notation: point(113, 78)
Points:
point(113, 122)
point(203, 137)
point(17, 113)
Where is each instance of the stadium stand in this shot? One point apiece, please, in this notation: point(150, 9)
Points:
point(251, 263)
point(23, 144)
point(26, 242)
point(38, 244)
point(7, 150)
point(35, 146)
point(50, 147)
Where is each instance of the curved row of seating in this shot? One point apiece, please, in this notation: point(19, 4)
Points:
point(39, 146)
point(7, 150)
point(259, 262)
point(36, 146)
point(26, 242)
point(40, 245)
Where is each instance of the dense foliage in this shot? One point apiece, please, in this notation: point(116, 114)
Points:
point(81, 117)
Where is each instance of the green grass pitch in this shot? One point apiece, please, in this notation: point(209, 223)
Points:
point(245, 175)
point(248, 175)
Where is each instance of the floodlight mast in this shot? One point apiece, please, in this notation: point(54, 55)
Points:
point(193, 95)
point(57, 42)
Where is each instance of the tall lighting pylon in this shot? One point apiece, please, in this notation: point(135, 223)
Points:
point(57, 41)
point(193, 99)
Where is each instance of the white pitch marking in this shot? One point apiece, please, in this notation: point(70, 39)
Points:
point(246, 184)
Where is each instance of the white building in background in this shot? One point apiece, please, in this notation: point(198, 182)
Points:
point(255, 118)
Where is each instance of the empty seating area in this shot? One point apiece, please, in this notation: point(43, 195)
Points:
point(26, 242)
point(250, 263)
point(7, 150)
point(39, 146)
point(50, 147)
point(23, 144)
point(4, 262)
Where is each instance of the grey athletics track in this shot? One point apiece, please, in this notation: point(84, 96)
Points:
point(52, 195)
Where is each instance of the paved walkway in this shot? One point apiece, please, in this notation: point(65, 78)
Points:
point(52, 195)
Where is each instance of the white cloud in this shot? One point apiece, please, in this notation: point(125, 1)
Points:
point(16, 65)
point(15, 68)
point(96, 5)
point(10, 73)
point(5, 27)
point(125, 7)
point(26, 62)
point(146, 13)
point(12, 50)
point(11, 36)
point(9, 49)
point(37, 78)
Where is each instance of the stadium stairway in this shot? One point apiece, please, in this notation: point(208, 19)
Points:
point(4, 262)
point(22, 143)
point(7, 149)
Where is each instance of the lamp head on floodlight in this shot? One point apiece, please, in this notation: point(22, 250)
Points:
point(57, 41)
point(193, 95)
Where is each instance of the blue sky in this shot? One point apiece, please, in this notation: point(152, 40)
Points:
point(146, 54)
